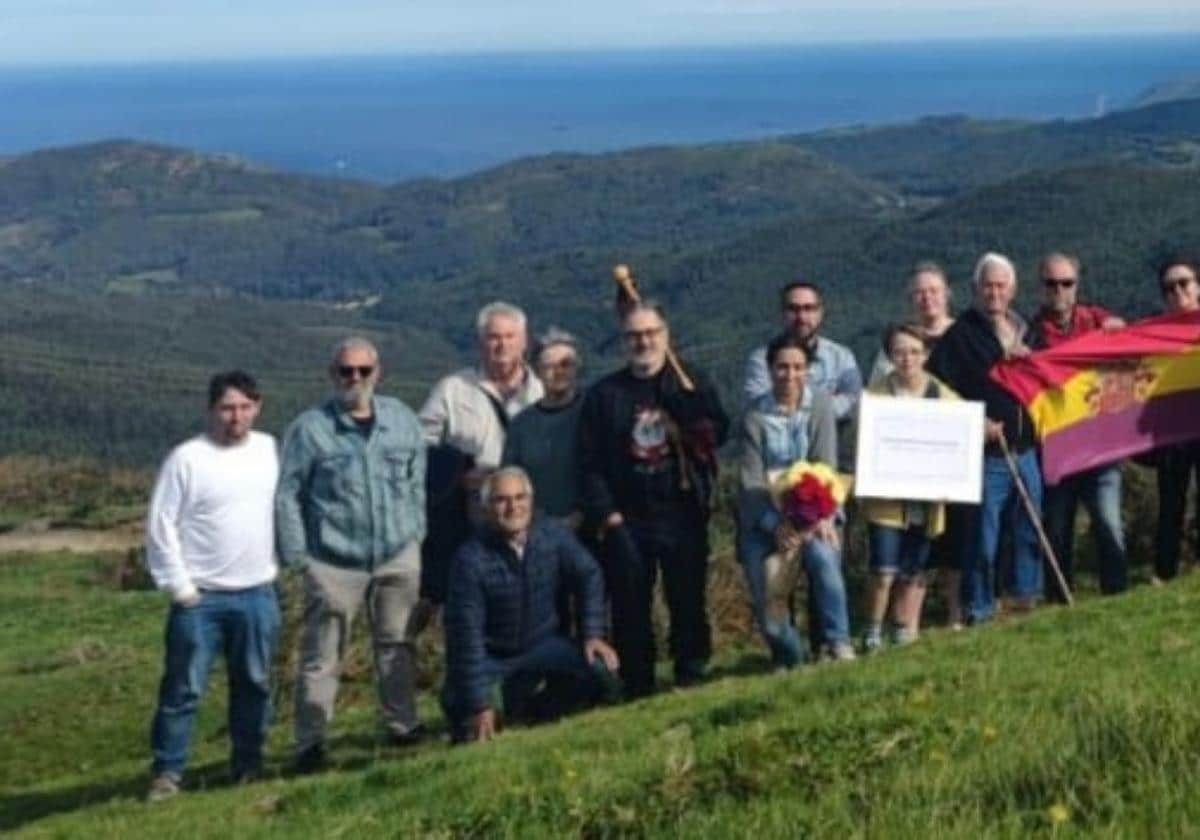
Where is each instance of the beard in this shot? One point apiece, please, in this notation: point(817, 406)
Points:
point(353, 396)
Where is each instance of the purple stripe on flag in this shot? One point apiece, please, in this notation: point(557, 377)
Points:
point(1172, 418)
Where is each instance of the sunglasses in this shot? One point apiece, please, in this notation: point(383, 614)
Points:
point(1176, 285)
point(802, 307)
point(347, 371)
point(1056, 283)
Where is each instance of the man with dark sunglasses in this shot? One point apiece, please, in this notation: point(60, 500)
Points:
point(1062, 318)
point(350, 513)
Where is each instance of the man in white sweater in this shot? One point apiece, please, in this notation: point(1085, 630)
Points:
point(210, 544)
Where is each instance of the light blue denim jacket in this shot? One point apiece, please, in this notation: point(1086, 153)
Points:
point(771, 439)
point(832, 370)
point(345, 498)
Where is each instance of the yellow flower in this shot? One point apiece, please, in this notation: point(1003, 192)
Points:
point(838, 484)
point(1058, 813)
point(989, 732)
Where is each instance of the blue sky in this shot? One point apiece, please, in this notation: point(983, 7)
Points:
point(87, 31)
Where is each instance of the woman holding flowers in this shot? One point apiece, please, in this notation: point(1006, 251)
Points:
point(789, 501)
point(900, 532)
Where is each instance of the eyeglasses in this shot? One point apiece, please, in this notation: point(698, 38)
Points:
point(803, 307)
point(1176, 285)
point(347, 371)
point(1059, 282)
point(644, 335)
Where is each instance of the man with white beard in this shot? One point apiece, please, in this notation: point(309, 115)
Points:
point(350, 513)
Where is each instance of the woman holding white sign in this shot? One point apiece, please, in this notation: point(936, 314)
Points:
point(794, 423)
point(901, 532)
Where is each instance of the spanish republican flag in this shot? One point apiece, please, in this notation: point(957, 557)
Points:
point(1103, 396)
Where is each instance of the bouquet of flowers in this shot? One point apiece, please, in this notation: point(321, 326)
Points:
point(807, 493)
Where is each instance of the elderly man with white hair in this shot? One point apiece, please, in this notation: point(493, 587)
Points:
point(986, 333)
point(471, 408)
point(465, 420)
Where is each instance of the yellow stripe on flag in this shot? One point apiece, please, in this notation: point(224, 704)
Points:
point(1113, 388)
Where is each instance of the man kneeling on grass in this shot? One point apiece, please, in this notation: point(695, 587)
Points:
point(210, 543)
point(505, 643)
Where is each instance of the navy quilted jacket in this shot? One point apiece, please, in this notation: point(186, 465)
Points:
point(499, 606)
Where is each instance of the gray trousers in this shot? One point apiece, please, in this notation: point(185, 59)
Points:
point(332, 596)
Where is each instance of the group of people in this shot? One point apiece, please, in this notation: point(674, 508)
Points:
point(536, 515)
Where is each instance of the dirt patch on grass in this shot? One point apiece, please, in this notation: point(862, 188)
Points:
point(38, 537)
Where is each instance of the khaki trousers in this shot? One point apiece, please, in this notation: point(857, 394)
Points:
point(332, 596)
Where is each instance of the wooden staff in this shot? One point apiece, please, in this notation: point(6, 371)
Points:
point(624, 281)
point(1032, 513)
point(627, 291)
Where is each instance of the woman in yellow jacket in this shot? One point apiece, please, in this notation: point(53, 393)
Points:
point(900, 531)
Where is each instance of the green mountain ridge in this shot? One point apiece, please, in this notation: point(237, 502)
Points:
point(224, 249)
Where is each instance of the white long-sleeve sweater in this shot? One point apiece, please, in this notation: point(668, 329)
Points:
point(210, 524)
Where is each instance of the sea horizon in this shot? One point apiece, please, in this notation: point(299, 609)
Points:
point(389, 118)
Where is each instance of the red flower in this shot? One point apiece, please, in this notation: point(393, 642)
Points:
point(808, 501)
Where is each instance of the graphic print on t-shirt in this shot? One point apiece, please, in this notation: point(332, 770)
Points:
point(648, 445)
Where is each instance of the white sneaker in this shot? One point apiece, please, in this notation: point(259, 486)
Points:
point(163, 787)
point(839, 652)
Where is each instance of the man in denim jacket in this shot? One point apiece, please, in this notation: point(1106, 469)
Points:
point(350, 513)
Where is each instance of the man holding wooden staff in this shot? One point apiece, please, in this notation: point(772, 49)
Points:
point(647, 445)
point(986, 333)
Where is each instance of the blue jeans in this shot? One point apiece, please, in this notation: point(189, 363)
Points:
point(569, 682)
point(999, 492)
point(244, 626)
point(1100, 492)
point(777, 626)
point(827, 601)
point(828, 614)
point(899, 551)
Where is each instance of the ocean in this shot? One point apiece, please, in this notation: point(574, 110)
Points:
point(394, 118)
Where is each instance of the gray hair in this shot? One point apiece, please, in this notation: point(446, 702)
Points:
point(555, 337)
point(994, 260)
point(498, 309)
point(489, 483)
point(646, 305)
point(353, 342)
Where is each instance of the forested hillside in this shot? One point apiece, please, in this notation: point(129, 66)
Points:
point(128, 272)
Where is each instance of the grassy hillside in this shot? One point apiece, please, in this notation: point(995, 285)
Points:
point(1078, 722)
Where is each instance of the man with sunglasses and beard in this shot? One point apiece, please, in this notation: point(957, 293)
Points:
point(350, 514)
point(1061, 318)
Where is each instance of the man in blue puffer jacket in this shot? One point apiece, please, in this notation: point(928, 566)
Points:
point(503, 633)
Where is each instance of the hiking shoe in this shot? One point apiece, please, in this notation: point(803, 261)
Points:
point(309, 760)
point(410, 738)
point(246, 776)
point(163, 787)
point(839, 652)
point(872, 643)
point(689, 672)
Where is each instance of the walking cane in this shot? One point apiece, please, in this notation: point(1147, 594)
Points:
point(1032, 513)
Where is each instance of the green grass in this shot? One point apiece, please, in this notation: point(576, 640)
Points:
point(1070, 722)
